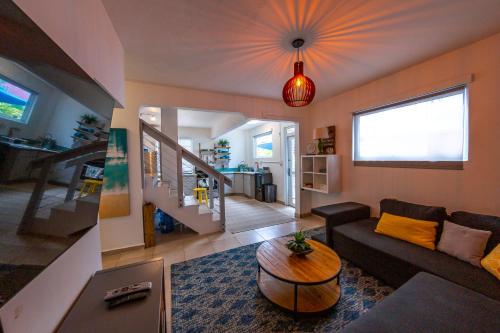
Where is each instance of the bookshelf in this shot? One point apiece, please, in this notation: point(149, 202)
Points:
point(320, 173)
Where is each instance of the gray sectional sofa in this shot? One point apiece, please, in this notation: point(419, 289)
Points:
point(350, 232)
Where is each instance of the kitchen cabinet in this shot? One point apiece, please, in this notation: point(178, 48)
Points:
point(228, 189)
point(238, 183)
point(249, 185)
point(15, 161)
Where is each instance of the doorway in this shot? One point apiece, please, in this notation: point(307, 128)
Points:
point(290, 165)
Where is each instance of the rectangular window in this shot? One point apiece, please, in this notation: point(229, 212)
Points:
point(187, 144)
point(16, 102)
point(263, 145)
point(427, 132)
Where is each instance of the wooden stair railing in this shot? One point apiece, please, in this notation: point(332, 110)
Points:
point(182, 153)
point(75, 157)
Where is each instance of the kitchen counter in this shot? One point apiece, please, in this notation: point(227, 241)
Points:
point(16, 158)
point(27, 147)
point(240, 172)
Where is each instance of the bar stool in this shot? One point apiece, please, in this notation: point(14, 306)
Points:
point(90, 186)
point(198, 192)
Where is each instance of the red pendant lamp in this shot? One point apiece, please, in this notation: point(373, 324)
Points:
point(299, 90)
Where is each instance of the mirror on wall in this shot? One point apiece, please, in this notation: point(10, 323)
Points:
point(54, 126)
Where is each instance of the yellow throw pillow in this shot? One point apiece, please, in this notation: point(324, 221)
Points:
point(491, 262)
point(419, 232)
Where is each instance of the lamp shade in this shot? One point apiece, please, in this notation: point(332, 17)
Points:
point(299, 90)
point(320, 133)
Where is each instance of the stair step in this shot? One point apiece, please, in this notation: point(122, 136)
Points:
point(91, 198)
point(69, 206)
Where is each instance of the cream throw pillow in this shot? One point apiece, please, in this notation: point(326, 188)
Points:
point(465, 243)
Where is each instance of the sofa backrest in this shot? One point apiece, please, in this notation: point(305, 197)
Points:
point(482, 222)
point(415, 211)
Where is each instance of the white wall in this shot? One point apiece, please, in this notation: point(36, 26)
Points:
point(237, 141)
point(198, 135)
point(42, 303)
point(67, 112)
point(228, 123)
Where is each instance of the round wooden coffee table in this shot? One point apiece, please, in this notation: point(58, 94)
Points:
point(302, 284)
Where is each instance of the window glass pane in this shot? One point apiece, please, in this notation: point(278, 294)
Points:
point(430, 129)
point(15, 102)
point(263, 145)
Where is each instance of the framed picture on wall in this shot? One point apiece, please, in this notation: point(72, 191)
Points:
point(329, 143)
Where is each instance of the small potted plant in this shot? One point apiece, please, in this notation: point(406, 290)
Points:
point(88, 119)
point(223, 142)
point(298, 244)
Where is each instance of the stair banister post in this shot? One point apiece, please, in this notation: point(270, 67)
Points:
point(180, 180)
point(211, 191)
point(141, 139)
point(222, 205)
point(70, 194)
point(36, 197)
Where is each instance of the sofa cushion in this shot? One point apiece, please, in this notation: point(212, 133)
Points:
point(415, 211)
point(434, 262)
point(464, 243)
point(492, 262)
point(419, 232)
point(427, 303)
point(482, 222)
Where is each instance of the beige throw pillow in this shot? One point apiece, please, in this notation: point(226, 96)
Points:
point(465, 243)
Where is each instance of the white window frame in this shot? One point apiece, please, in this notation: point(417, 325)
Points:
point(29, 106)
point(422, 164)
point(255, 137)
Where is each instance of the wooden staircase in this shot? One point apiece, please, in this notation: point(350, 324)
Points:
point(203, 219)
point(68, 218)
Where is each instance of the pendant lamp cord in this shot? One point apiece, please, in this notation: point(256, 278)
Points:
point(298, 50)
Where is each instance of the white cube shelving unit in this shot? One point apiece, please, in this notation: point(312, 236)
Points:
point(320, 173)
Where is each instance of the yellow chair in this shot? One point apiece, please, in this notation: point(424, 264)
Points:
point(90, 186)
point(198, 192)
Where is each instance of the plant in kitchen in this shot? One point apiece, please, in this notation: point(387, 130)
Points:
point(223, 142)
point(88, 119)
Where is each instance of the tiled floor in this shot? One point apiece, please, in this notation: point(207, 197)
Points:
point(188, 245)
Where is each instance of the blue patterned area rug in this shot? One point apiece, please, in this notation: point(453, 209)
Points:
point(219, 293)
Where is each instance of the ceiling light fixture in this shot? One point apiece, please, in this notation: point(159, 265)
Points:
point(153, 118)
point(299, 90)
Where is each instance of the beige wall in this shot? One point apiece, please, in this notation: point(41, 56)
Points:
point(127, 231)
point(477, 187)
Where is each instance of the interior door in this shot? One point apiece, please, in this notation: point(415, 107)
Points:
point(290, 166)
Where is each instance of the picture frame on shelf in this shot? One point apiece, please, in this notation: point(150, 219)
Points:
point(329, 143)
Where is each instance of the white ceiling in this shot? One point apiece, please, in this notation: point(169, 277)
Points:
point(242, 46)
